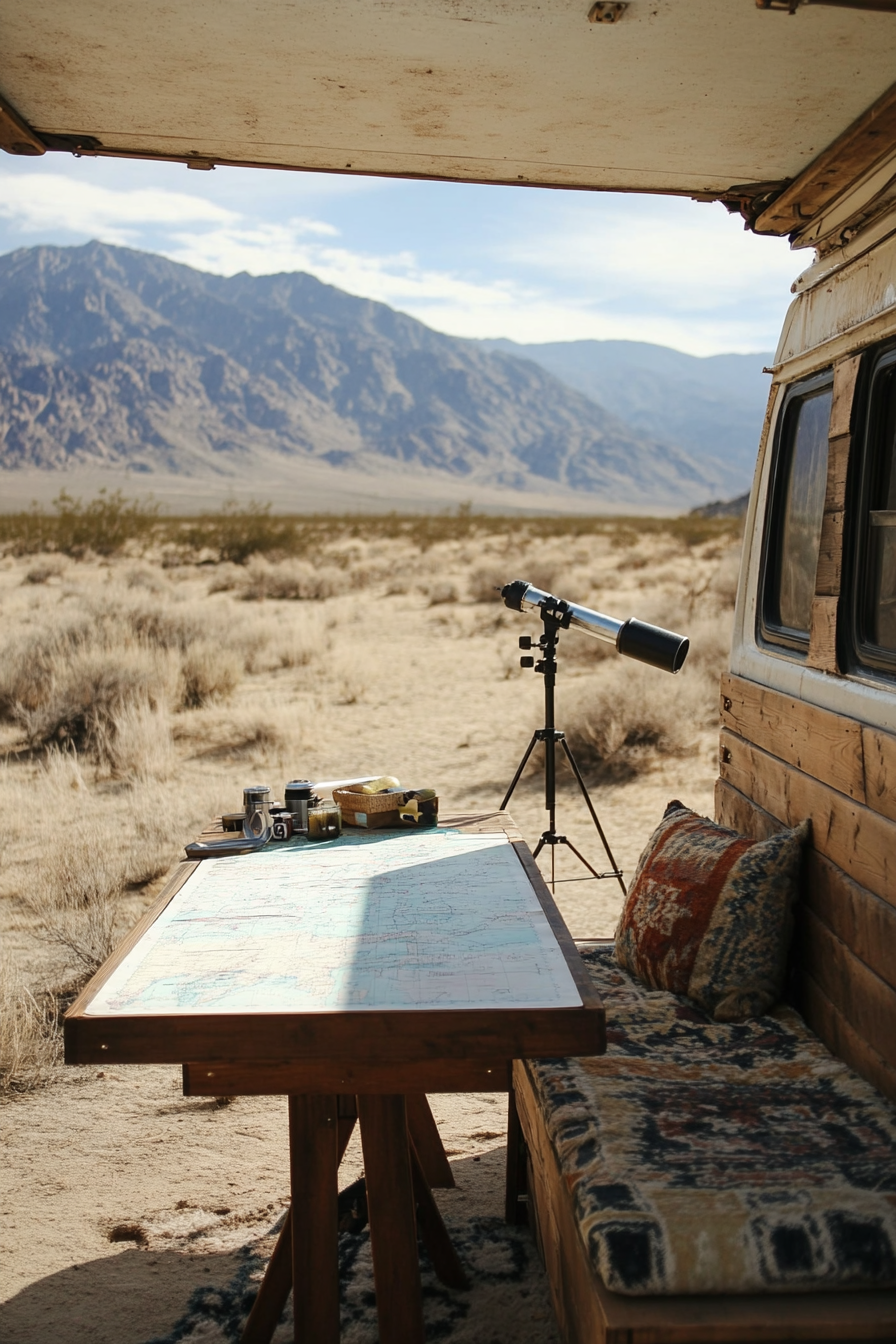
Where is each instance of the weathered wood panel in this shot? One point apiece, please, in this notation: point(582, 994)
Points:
point(823, 634)
point(842, 1039)
point(838, 461)
point(845, 373)
point(849, 914)
point(879, 751)
point(866, 1001)
point(830, 551)
point(858, 840)
point(733, 809)
point(861, 920)
point(824, 745)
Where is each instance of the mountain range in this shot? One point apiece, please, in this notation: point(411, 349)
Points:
point(712, 407)
point(113, 357)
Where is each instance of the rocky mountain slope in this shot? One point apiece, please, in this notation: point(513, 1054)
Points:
point(711, 408)
point(112, 356)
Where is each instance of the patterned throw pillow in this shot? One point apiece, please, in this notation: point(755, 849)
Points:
point(710, 914)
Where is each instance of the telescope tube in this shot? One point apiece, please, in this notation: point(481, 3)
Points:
point(635, 639)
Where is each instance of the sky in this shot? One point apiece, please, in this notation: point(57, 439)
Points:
point(481, 261)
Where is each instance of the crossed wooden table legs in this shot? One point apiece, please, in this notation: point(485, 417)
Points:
point(403, 1160)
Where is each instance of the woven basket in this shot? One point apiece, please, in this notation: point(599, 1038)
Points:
point(355, 801)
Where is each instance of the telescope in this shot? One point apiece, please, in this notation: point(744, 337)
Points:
point(635, 639)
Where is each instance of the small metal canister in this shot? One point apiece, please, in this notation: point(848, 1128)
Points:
point(257, 810)
point(298, 796)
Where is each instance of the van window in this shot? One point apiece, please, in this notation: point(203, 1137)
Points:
point(796, 509)
point(874, 563)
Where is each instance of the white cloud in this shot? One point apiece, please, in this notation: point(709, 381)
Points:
point(54, 201)
point(632, 268)
point(675, 253)
point(525, 308)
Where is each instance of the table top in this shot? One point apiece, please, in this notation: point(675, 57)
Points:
point(398, 945)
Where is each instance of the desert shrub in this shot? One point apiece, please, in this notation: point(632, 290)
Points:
point(225, 579)
point(103, 526)
point(142, 576)
point(209, 672)
point(631, 714)
point(82, 697)
point(72, 896)
point(297, 582)
point(486, 581)
point(724, 582)
point(139, 746)
point(441, 593)
point(48, 567)
point(30, 1042)
point(240, 531)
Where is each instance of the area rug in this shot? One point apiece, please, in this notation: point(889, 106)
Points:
point(507, 1301)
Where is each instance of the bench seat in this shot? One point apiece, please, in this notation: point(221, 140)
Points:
point(703, 1172)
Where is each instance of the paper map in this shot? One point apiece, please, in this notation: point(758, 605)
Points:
point(431, 919)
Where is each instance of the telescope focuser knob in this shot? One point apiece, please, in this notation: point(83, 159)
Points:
point(527, 662)
point(525, 641)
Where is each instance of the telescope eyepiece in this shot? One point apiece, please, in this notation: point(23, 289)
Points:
point(513, 594)
point(653, 645)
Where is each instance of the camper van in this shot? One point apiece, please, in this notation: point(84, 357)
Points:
point(783, 112)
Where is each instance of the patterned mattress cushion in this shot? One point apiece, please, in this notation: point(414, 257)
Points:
point(709, 914)
point(709, 1158)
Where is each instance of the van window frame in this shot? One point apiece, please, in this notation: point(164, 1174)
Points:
point(770, 633)
point(860, 655)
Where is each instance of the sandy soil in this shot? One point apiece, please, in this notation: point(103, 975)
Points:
point(395, 677)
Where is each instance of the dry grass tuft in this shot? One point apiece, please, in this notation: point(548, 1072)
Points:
point(626, 720)
point(140, 747)
point(209, 673)
point(30, 1042)
point(73, 896)
point(293, 581)
point(441, 594)
point(46, 568)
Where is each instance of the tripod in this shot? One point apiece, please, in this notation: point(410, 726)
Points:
point(554, 620)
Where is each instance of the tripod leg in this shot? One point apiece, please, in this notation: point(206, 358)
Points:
point(594, 816)
point(569, 845)
point(519, 770)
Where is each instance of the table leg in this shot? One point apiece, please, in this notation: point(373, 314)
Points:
point(433, 1232)
point(390, 1205)
point(515, 1210)
point(428, 1141)
point(273, 1290)
point(313, 1170)
point(276, 1285)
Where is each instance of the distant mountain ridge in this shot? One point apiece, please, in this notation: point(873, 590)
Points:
point(711, 408)
point(108, 355)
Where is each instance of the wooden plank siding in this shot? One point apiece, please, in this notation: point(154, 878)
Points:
point(855, 838)
point(824, 745)
point(879, 752)
point(841, 1037)
point(825, 607)
point(866, 1001)
point(844, 972)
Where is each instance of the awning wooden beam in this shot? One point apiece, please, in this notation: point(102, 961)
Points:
point(870, 138)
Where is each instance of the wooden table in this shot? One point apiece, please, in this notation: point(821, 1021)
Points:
point(374, 1065)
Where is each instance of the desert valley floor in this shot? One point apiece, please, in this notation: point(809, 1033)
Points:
point(372, 655)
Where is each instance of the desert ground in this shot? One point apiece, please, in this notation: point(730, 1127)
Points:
point(140, 691)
